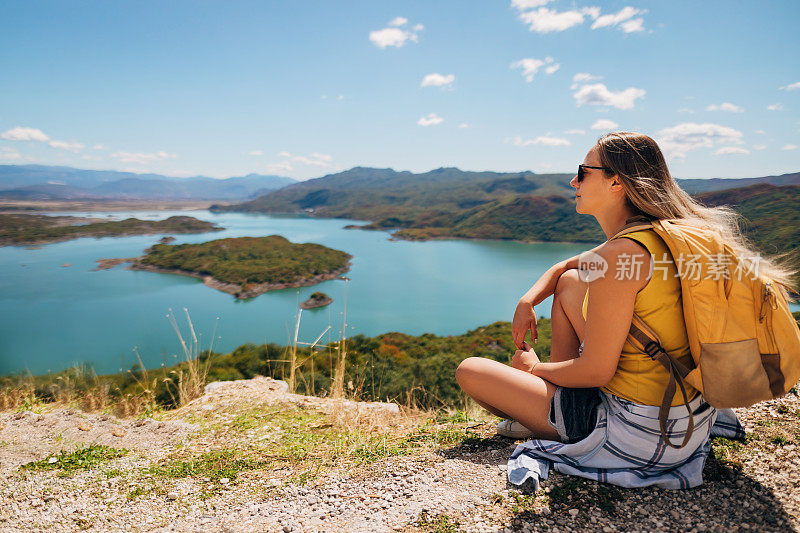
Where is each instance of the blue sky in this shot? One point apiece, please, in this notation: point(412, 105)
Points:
point(305, 88)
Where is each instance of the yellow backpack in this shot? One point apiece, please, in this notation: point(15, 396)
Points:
point(744, 340)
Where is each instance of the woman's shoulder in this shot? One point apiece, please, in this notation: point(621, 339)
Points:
point(621, 246)
point(628, 262)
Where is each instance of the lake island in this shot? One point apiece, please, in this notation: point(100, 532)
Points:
point(248, 266)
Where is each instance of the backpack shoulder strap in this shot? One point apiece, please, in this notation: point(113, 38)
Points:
point(645, 340)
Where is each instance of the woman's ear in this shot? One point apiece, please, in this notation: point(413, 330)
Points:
point(616, 184)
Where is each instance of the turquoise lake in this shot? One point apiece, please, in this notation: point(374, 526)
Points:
point(53, 316)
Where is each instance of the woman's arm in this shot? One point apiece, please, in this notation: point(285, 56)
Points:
point(608, 319)
point(524, 315)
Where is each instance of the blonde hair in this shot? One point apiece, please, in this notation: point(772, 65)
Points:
point(651, 191)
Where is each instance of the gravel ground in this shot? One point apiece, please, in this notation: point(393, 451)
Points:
point(459, 488)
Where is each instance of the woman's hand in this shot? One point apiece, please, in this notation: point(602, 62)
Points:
point(525, 359)
point(524, 320)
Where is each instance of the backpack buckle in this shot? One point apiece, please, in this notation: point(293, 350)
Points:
point(652, 348)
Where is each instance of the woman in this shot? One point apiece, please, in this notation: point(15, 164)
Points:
point(596, 382)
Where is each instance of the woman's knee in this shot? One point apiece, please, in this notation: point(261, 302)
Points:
point(569, 281)
point(467, 369)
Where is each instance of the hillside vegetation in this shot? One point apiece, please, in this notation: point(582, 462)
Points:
point(40, 229)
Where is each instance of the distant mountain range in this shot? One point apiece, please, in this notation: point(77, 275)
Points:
point(694, 186)
point(448, 203)
point(39, 182)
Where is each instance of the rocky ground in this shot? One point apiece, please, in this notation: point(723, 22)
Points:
point(248, 456)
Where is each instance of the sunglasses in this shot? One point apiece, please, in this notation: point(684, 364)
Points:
point(581, 172)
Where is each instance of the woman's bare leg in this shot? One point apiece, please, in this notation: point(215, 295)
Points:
point(514, 394)
point(566, 320)
point(509, 392)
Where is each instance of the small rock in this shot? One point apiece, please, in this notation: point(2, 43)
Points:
point(172, 495)
point(118, 432)
point(83, 426)
point(573, 512)
point(52, 460)
point(224, 480)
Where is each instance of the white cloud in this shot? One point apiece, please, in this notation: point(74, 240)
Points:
point(574, 132)
point(7, 153)
point(552, 68)
point(598, 94)
point(789, 147)
point(284, 166)
point(605, 124)
point(528, 4)
point(24, 134)
point(682, 138)
point(686, 110)
point(142, 158)
point(633, 25)
point(64, 145)
point(582, 77)
point(316, 159)
point(437, 80)
point(624, 14)
point(725, 106)
point(98, 147)
point(340, 97)
point(792, 86)
point(395, 36)
point(725, 150)
point(530, 66)
point(431, 119)
point(311, 161)
point(256, 152)
point(545, 140)
point(88, 157)
point(760, 132)
point(593, 11)
point(545, 20)
point(759, 147)
point(775, 107)
point(463, 125)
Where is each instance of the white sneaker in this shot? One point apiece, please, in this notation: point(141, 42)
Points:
point(513, 429)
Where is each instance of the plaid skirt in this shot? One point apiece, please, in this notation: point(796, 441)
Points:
point(626, 449)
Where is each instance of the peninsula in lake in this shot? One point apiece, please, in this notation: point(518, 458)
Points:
point(248, 266)
point(23, 229)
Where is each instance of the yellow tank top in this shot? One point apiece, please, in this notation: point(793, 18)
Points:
point(639, 378)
